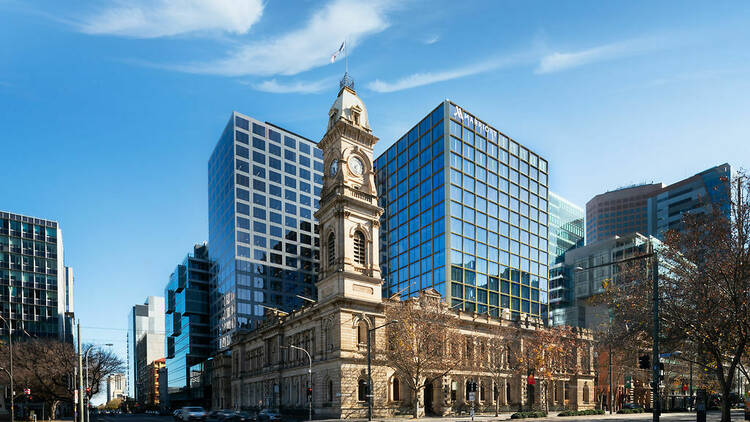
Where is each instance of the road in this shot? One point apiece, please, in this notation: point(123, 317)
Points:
point(712, 416)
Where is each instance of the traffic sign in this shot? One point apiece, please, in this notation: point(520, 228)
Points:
point(471, 396)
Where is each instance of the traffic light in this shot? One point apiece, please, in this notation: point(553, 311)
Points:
point(309, 393)
point(644, 362)
point(661, 372)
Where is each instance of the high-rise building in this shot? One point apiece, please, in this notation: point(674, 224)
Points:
point(619, 212)
point(652, 209)
point(36, 294)
point(145, 342)
point(462, 198)
point(115, 386)
point(592, 273)
point(187, 325)
point(696, 194)
point(264, 183)
point(566, 232)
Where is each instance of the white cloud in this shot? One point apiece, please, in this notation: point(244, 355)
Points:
point(427, 78)
point(295, 87)
point(163, 18)
point(556, 62)
point(432, 39)
point(303, 49)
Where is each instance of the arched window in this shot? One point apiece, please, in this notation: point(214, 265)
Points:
point(331, 248)
point(359, 248)
point(362, 390)
point(362, 332)
point(396, 387)
point(586, 392)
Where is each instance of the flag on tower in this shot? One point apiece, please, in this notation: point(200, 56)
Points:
point(333, 56)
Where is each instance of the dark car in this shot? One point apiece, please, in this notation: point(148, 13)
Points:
point(219, 415)
point(268, 415)
point(632, 406)
point(240, 417)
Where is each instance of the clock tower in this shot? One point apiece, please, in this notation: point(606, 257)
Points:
point(349, 214)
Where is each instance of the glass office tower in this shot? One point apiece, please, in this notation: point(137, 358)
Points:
point(187, 327)
point(465, 214)
point(36, 288)
point(264, 183)
point(566, 231)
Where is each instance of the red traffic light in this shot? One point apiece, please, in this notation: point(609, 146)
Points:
point(88, 389)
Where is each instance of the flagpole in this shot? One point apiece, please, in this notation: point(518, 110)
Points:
point(346, 57)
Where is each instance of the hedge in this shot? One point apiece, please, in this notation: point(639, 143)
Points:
point(581, 412)
point(627, 411)
point(524, 415)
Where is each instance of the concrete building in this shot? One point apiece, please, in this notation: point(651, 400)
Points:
point(264, 183)
point(589, 282)
point(566, 232)
point(466, 214)
point(146, 343)
point(652, 209)
point(35, 289)
point(263, 373)
point(188, 332)
point(620, 212)
point(115, 386)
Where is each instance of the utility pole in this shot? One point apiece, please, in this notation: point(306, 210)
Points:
point(80, 375)
point(611, 401)
point(10, 374)
point(655, 375)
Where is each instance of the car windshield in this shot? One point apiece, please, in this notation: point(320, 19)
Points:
point(194, 409)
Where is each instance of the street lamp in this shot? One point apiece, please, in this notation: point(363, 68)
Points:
point(88, 395)
point(371, 396)
point(309, 377)
point(655, 287)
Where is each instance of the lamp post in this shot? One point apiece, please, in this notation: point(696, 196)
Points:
point(86, 356)
point(371, 396)
point(10, 373)
point(309, 378)
point(655, 298)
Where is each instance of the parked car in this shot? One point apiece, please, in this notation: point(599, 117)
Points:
point(177, 415)
point(219, 415)
point(632, 406)
point(241, 417)
point(192, 413)
point(268, 415)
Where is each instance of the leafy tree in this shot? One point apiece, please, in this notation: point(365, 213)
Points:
point(704, 288)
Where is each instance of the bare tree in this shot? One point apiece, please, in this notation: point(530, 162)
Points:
point(47, 368)
point(545, 353)
point(420, 346)
point(704, 282)
point(498, 365)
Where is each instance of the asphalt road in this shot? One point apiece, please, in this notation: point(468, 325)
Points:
point(712, 416)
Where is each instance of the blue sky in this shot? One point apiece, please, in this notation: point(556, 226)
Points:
point(109, 109)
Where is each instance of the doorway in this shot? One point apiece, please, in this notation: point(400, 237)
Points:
point(428, 399)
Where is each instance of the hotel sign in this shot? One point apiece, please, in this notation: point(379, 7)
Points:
point(469, 120)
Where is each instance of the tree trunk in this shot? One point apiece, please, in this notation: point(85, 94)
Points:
point(726, 409)
point(416, 404)
point(497, 403)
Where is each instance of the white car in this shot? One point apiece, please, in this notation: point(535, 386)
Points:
point(192, 413)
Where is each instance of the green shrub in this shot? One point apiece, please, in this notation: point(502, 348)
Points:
point(524, 415)
point(581, 412)
point(628, 411)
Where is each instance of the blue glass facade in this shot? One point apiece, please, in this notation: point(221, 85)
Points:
point(188, 337)
point(566, 232)
point(466, 214)
point(264, 185)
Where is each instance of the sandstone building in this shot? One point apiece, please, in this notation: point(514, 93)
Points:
point(266, 372)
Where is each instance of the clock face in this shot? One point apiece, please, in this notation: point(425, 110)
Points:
point(334, 168)
point(356, 166)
